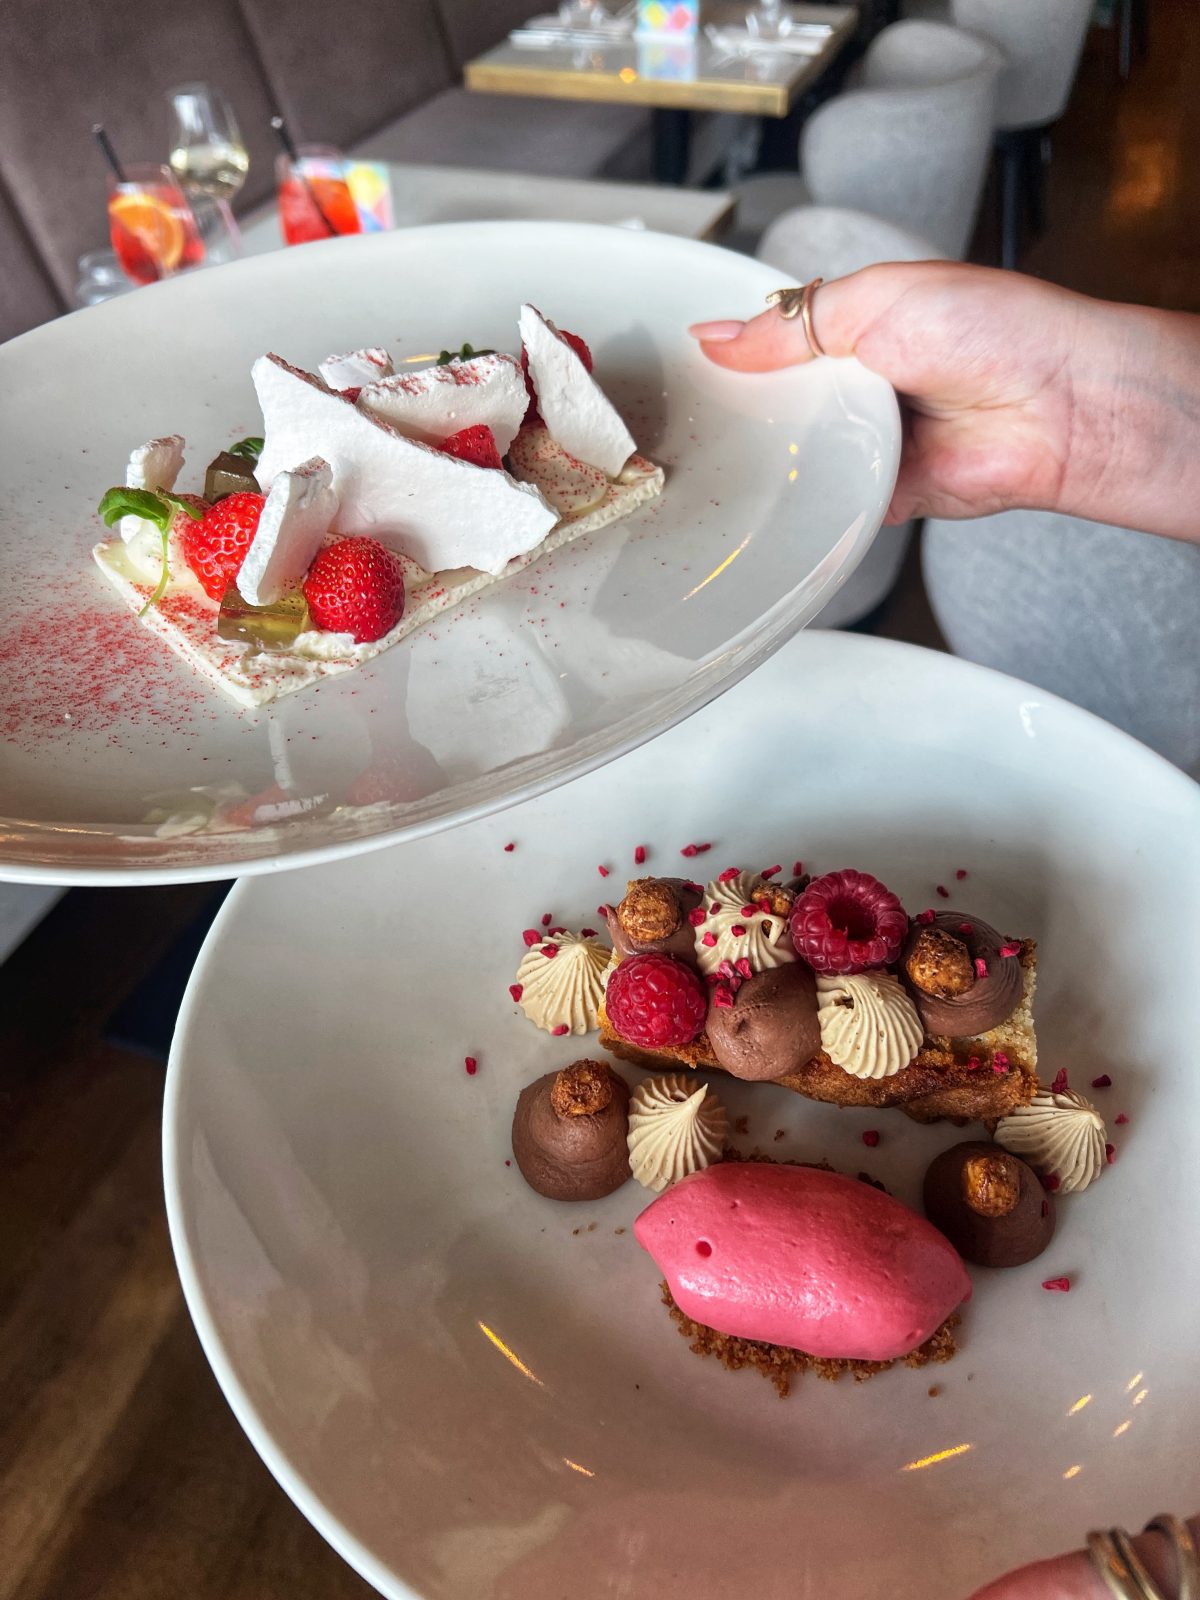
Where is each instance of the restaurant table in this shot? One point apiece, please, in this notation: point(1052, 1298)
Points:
point(467, 194)
point(672, 77)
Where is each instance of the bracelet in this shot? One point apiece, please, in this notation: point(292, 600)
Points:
point(1125, 1574)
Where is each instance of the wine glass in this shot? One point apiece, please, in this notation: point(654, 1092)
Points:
point(208, 153)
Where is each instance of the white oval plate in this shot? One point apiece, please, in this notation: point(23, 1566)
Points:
point(776, 485)
point(471, 1393)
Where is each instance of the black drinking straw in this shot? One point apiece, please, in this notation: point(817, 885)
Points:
point(293, 155)
point(107, 151)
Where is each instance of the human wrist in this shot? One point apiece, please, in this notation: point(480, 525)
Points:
point(1135, 398)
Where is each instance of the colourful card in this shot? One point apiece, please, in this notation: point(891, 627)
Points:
point(673, 17)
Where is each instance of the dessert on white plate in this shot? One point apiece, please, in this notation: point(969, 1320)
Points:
point(372, 503)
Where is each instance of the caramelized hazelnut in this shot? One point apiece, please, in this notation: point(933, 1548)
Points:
point(581, 1090)
point(650, 910)
point(991, 1183)
point(939, 964)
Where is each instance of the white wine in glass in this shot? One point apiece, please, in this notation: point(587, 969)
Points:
point(208, 154)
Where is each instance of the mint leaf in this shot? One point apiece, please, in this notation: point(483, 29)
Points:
point(178, 503)
point(249, 449)
point(122, 502)
point(467, 353)
point(155, 505)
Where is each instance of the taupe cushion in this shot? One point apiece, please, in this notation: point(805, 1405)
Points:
point(27, 295)
point(63, 67)
point(473, 26)
point(339, 72)
point(559, 138)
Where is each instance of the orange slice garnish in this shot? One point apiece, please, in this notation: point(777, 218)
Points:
point(154, 224)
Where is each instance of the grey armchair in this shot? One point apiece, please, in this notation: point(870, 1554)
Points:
point(1102, 616)
point(909, 143)
point(1042, 41)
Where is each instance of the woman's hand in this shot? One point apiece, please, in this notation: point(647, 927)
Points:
point(1073, 1577)
point(1016, 393)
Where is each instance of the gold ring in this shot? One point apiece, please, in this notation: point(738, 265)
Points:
point(1118, 1563)
point(798, 303)
point(1187, 1561)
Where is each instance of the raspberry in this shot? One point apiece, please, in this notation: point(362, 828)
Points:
point(655, 1000)
point(846, 922)
point(355, 586)
point(476, 445)
point(216, 546)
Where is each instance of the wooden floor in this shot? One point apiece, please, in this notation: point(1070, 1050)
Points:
point(122, 1472)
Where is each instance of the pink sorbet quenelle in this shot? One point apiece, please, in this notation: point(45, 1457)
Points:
point(799, 1257)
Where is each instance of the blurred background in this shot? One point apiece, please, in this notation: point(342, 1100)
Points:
point(144, 138)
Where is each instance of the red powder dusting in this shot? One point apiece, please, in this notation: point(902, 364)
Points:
point(1102, 1082)
point(471, 1065)
point(1057, 1285)
point(67, 669)
point(639, 855)
point(870, 1138)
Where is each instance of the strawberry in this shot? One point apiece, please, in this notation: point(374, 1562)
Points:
point(216, 546)
point(578, 345)
point(356, 586)
point(476, 445)
point(580, 348)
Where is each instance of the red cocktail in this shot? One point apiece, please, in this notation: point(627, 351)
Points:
point(314, 198)
point(151, 225)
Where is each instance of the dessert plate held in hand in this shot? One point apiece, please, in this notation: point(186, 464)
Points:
point(119, 762)
point(473, 1390)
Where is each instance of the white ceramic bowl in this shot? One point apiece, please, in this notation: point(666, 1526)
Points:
point(776, 484)
point(473, 1391)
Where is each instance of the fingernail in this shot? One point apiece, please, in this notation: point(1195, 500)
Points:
point(716, 332)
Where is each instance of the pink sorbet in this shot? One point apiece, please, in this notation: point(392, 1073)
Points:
point(803, 1258)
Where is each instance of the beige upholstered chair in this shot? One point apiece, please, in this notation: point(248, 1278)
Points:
point(1042, 41)
point(908, 143)
point(831, 242)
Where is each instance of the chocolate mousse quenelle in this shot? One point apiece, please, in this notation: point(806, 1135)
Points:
point(825, 986)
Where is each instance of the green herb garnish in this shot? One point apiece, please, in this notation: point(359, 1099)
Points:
point(154, 505)
point(249, 449)
point(467, 353)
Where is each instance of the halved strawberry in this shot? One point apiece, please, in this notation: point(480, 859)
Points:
point(216, 546)
point(356, 586)
point(476, 445)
